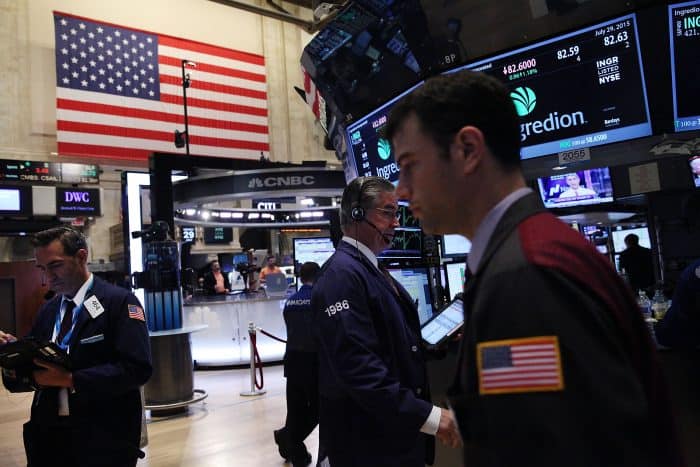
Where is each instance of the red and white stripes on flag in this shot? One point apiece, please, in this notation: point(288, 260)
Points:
point(119, 94)
point(520, 365)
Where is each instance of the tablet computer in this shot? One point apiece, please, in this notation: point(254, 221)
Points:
point(20, 355)
point(444, 324)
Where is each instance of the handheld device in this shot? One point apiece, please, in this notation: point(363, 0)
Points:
point(444, 324)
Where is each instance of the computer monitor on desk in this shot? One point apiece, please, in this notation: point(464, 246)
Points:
point(276, 285)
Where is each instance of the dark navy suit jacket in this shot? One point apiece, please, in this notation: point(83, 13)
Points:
point(373, 382)
point(111, 359)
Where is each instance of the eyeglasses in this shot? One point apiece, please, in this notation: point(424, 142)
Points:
point(389, 213)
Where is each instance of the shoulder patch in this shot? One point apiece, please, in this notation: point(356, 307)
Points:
point(136, 312)
point(510, 366)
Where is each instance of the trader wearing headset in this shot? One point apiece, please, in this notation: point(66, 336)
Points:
point(374, 399)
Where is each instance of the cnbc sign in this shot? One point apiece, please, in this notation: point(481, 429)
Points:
point(525, 101)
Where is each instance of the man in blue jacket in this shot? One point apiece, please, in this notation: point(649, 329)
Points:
point(375, 406)
point(301, 370)
point(90, 414)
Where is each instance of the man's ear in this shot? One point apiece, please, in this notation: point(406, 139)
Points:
point(82, 254)
point(468, 148)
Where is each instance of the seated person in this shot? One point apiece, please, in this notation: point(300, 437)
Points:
point(215, 282)
point(575, 189)
point(270, 268)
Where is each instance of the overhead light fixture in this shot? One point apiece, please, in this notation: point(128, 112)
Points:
point(205, 215)
point(307, 202)
point(559, 167)
point(225, 215)
point(237, 215)
point(190, 212)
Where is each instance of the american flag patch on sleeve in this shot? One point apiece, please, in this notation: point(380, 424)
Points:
point(136, 312)
point(531, 364)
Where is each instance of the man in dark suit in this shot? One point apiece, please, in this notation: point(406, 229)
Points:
point(301, 371)
point(637, 263)
point(90, 414)
point(556, 364)
point(375, 405)
point(215, 281)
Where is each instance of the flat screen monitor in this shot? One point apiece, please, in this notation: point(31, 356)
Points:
point(694, 163)
point(455, 245)
point(456, 275)
point(15, 201)
point(584, 187)
point(684, 29)
point(415, 281)
point(218, 235)
point(226, 262)
point(240, 258)
point(619, 238)
point(373, 155)
point(580, 89)
point(316, 249)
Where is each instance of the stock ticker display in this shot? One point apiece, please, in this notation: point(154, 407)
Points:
point(371, 153)
point(581, 89)
point(684, 28)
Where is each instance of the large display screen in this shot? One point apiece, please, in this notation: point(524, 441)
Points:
point(408, 237)
point(684, 28)
point(456, 276)
point(581, 89)
point(372, 154)
point(455, 245)
point(316, 249)
point(618, 237)
point(580, 188)
point(415, 281)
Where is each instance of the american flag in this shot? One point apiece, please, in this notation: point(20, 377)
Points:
point(520, 365)
point(119, 94)
point(136, 312)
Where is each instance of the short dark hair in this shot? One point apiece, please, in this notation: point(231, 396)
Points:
point(632, 239)
point(444, 104)
point(71, 239)
point(309, 271)
point(362, 192)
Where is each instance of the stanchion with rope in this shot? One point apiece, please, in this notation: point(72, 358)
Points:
point(255, 362)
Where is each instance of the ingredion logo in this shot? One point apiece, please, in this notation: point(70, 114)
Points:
point(524, 99)
point(383, 149)
point(292, 180)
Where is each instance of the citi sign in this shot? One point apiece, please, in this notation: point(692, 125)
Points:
point(525, 101)
point(76, 197)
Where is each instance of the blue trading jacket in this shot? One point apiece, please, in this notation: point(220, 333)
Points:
point(372, 374)
point(111, 359)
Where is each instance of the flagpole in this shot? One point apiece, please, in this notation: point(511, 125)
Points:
point(185, 85)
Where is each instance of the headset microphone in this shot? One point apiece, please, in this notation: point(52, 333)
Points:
point(387, 239)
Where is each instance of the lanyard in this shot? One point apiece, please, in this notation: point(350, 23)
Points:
point(57, 327)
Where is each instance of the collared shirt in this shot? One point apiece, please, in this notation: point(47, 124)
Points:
point(432, 423)
point(78, 299)
point(484, 231)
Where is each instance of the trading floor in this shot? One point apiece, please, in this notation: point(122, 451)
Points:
point(226, 429)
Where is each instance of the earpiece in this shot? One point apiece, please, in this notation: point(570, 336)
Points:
point(357, 212)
